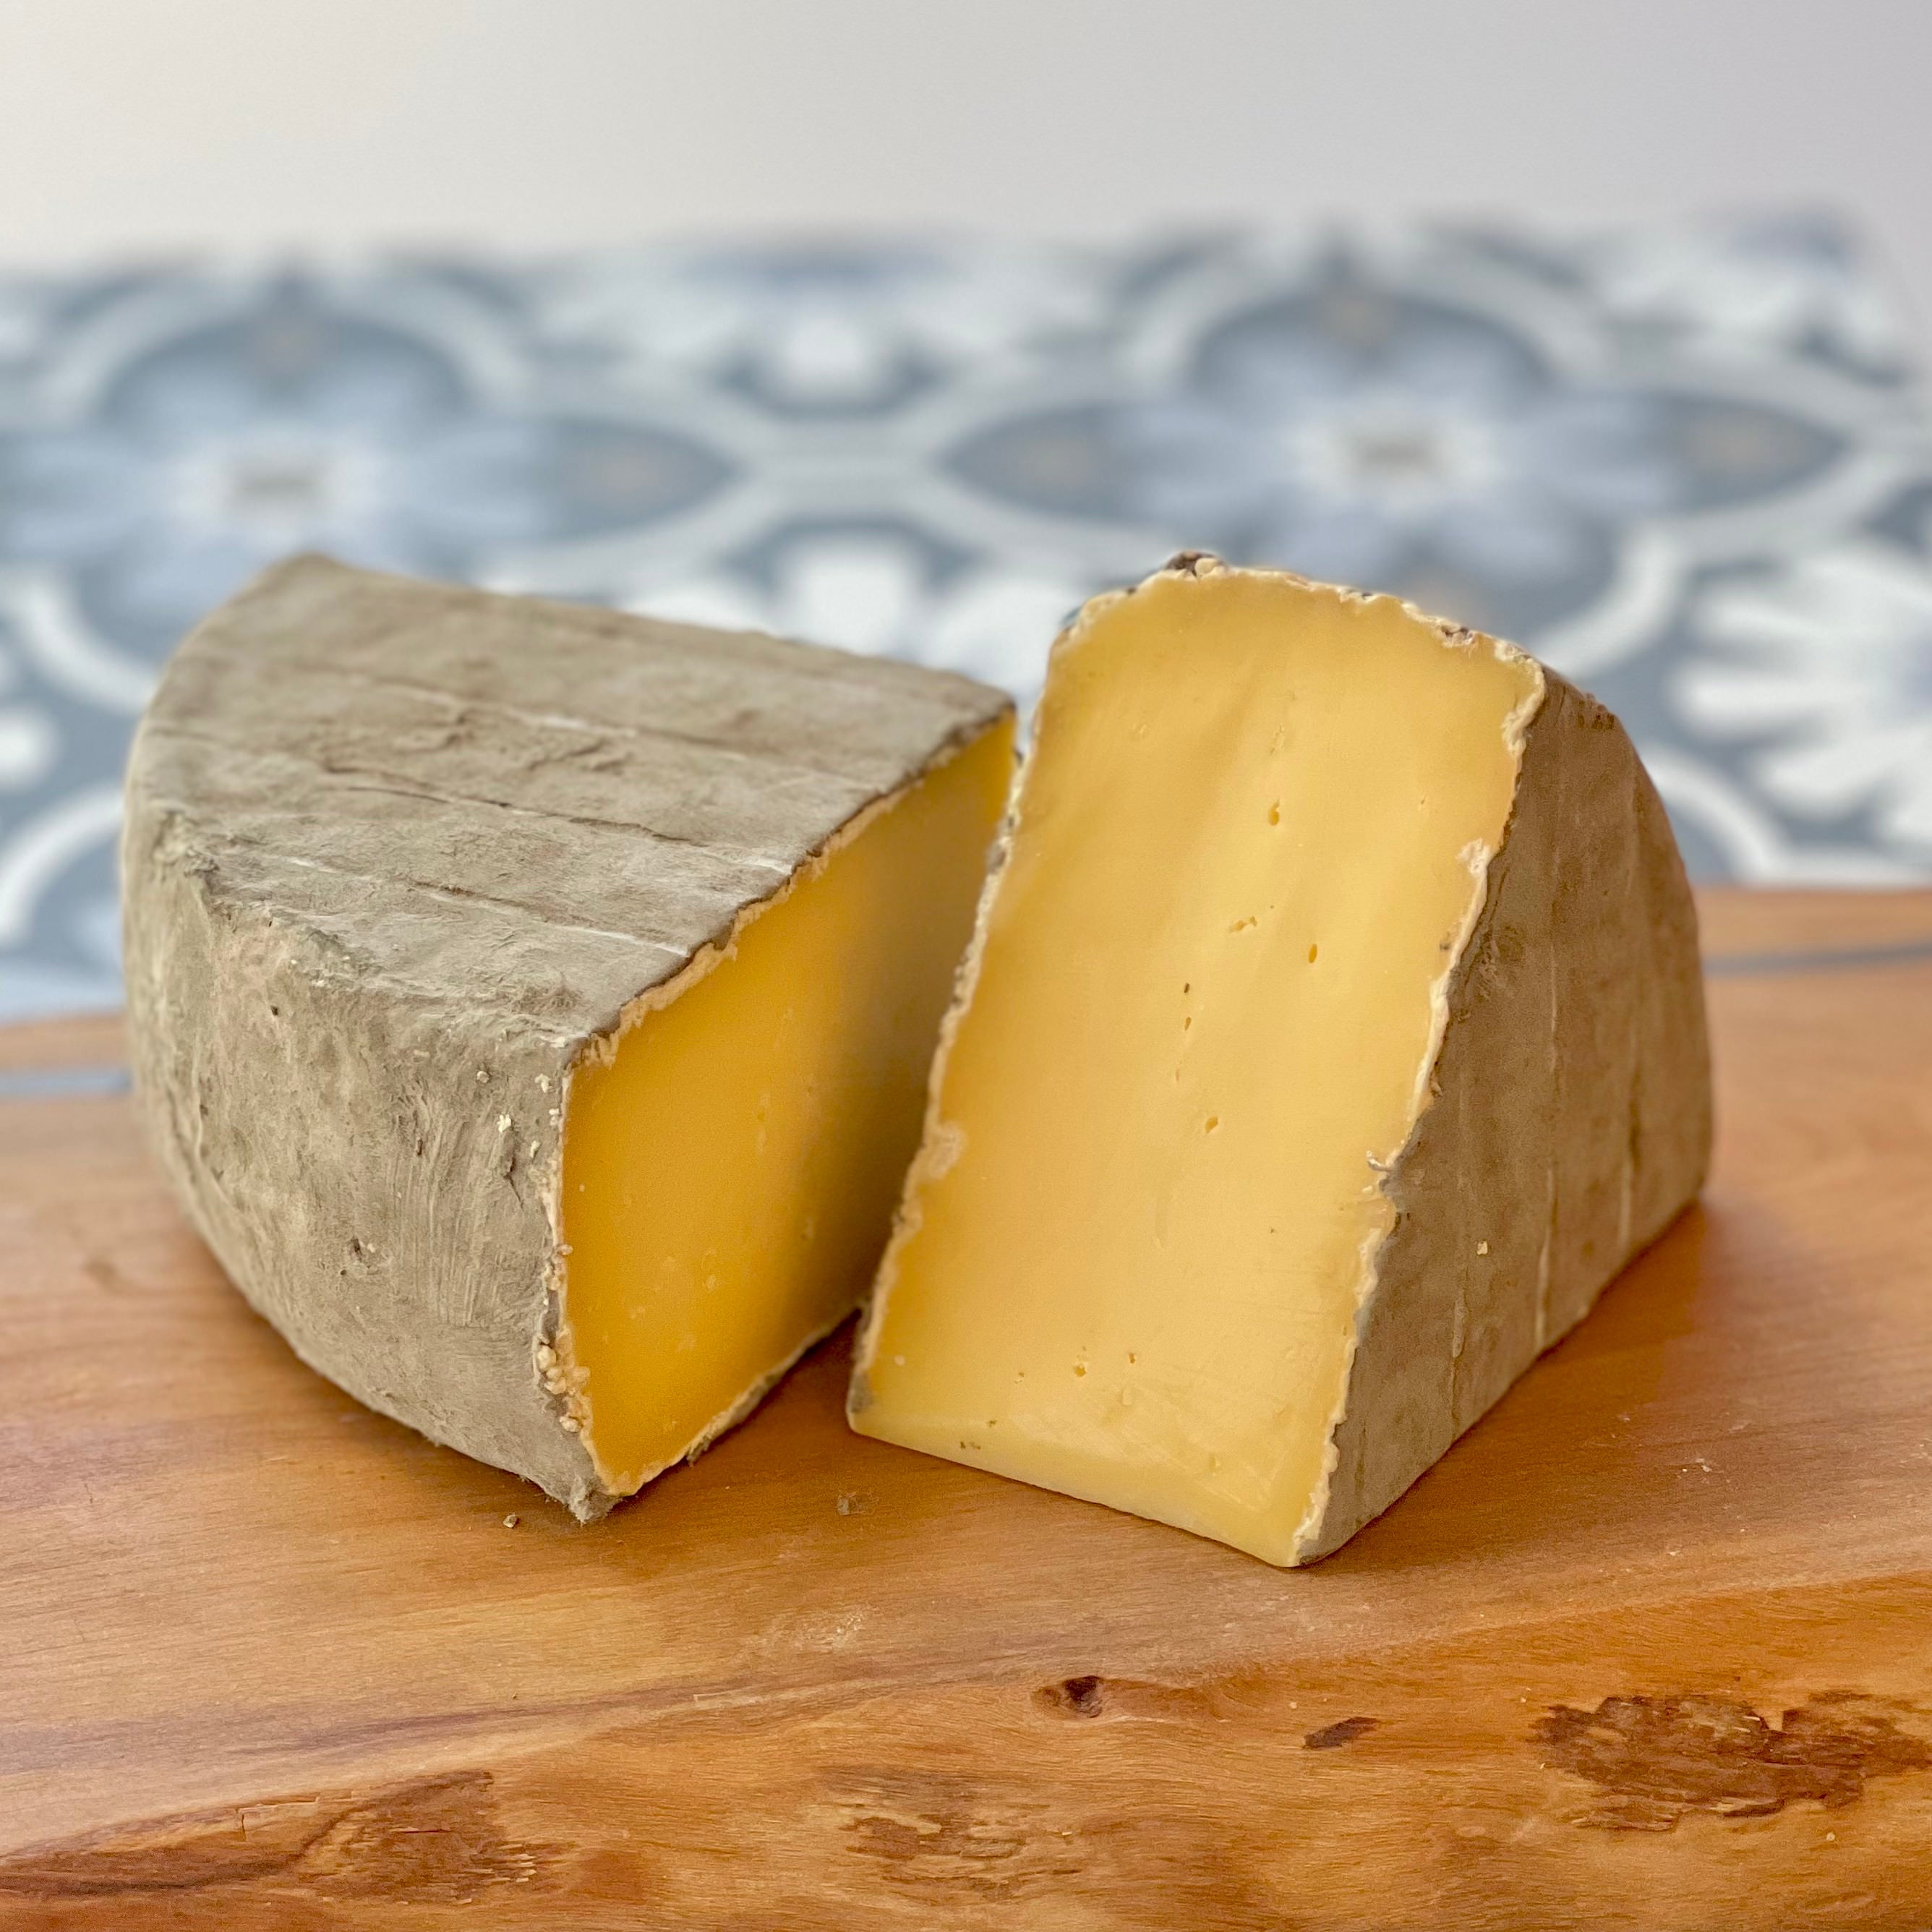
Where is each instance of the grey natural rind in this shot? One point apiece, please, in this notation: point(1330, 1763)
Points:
point(1571, 1115)
point(394, 855)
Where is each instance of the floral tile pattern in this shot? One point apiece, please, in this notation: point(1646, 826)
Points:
point(1691, 468)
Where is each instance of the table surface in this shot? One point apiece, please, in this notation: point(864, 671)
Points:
point(1652, 1647)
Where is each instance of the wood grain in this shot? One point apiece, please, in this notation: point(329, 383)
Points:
point(1651, 1648)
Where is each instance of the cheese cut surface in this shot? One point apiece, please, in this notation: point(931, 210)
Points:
point(729, 1171)
point(531, 1005)
point(1251, 1176)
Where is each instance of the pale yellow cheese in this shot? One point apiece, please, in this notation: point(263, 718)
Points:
point(730, 1166)
point(1205, 1006)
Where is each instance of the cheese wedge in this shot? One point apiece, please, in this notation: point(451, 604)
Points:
point(1332, 1033)
point(533, 1006)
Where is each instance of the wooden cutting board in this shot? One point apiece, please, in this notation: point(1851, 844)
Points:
point(1652, 1648)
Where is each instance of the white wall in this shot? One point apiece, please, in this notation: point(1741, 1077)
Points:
point(157, 124)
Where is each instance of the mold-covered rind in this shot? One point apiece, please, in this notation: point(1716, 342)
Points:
point(1569, 1121)
point(395, 856)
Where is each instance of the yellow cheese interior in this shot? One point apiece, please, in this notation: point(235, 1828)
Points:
point(1249, 848)
point(729, 1175)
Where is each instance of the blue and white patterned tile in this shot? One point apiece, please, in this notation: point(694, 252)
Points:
point(1691, 467)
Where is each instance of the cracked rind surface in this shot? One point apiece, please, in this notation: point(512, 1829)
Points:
point(395, 856)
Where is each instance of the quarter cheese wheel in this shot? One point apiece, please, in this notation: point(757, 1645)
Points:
point(532, 1005)
point(1332, 1033)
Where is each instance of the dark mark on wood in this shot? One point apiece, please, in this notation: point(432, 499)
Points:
point(1145, 1700)
point(1656, 1759)
point(105, 1276)
point(434, 1841)
point(1330, 1736)
point(1074, 1696)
